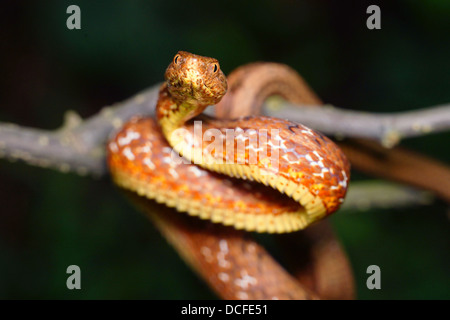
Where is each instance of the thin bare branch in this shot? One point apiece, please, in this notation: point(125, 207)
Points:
point(78, 146)
point(388, 128)
point(365, 195)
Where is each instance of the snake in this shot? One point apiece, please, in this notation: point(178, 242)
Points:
point(257, 174)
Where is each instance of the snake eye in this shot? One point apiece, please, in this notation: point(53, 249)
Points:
point(175, 60)
point(216, 67)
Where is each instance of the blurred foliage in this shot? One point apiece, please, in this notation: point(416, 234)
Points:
point(50, 220)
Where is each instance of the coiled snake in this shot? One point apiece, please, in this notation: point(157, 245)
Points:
point(257, 153)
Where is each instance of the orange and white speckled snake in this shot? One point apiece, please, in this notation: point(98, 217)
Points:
point(309, 171)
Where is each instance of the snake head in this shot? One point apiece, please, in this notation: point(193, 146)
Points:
point(195, 80)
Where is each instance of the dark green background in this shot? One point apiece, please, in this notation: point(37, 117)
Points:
point(50, 220)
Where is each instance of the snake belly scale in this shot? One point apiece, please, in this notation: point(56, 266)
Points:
point(308, 172)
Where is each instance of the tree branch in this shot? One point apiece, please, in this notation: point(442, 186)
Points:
point(388, 128)
point(365, 195)
point(78, 146)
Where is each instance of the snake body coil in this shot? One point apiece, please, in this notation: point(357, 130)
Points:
point(234, 265)
point(308, 168)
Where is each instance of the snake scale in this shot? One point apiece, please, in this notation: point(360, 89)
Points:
point(236, 188)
